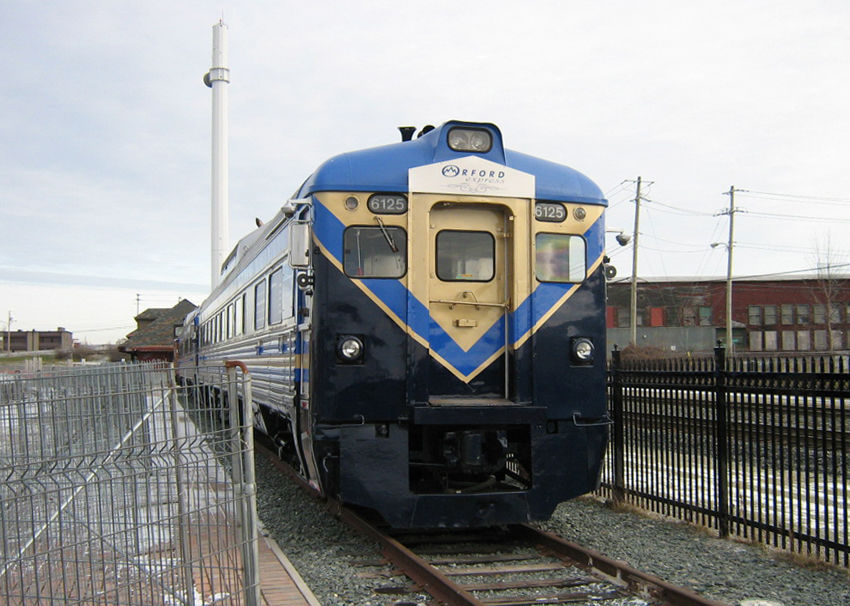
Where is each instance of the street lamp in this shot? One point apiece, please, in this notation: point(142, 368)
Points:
point(622, 239)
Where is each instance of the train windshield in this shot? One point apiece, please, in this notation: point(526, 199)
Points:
point(560, 258)
point(466, 256)
point(375, 252)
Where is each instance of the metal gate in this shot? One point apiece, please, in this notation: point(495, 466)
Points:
point(119, 486)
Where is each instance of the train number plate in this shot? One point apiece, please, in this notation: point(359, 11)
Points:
point(387, 204)
point(550, 211)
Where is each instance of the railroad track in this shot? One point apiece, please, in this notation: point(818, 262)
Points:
point(514, 566)
point(506, 566)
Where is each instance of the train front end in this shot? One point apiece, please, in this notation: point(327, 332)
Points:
point(456, 365)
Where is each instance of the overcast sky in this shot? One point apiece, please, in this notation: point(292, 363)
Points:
point(105, 128)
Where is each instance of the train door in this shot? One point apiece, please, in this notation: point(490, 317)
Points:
point(468, 299)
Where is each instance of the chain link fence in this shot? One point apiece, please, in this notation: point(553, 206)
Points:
point(118, 486)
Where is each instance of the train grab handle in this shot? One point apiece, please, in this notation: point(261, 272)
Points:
point(604, 420)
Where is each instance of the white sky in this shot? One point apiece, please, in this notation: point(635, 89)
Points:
point(105, 127)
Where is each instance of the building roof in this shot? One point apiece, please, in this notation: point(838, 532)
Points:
point(156, 327)
point(152, 313)
point(808, 277)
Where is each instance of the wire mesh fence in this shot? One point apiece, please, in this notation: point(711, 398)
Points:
point(755, 447)
point(117, 486)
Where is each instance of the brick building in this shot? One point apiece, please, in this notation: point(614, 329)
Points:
point(37, 340)
point(768, 314)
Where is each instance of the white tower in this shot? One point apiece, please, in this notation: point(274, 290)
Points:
point(217, 79)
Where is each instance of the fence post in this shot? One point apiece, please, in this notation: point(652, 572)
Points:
point(180, 464)
point(242, 425)
point(722, 437)
point(619, 433)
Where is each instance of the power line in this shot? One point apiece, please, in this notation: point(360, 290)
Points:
point(679, 210)
point(794, 271)
point(794, 197)
point(783, 217)
point(78, 330)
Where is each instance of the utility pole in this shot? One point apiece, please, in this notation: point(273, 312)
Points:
point(731, 213)
point(9, 332)
point(633, 302)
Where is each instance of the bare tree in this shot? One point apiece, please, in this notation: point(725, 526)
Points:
point(832, 287)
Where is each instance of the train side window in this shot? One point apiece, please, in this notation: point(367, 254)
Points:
point(465, 256)
point(260, 305)
point(560, 258)
point(242, 312)
point(275, 298)
point(375, 252)
point(287, 293)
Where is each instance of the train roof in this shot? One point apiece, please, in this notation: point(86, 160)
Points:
point(385, 168)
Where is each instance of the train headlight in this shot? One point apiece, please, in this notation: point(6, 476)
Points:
point(470, 139)
point(349, 348)
point(582, 350)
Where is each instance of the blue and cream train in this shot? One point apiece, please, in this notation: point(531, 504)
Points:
point(424, 323)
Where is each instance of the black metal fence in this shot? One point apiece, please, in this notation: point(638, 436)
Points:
point(752, 447)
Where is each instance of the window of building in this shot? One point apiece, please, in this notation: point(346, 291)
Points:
point(770, 342)
point(787, 311)
point(704, 315)
point(769, 315)
point(789, 340)
point(821, 342)
point(688, 316)
point(819, 313)
point(802, 314)
point(756, 340)
point(755, 315)
point(623, 317)
point(375, 252)
point(804, 340)
point(260, 305)
point(560, 258)
point(837, 339)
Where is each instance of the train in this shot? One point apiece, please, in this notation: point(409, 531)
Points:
point(424, 325)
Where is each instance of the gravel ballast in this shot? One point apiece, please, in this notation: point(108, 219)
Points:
point(330, 556)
